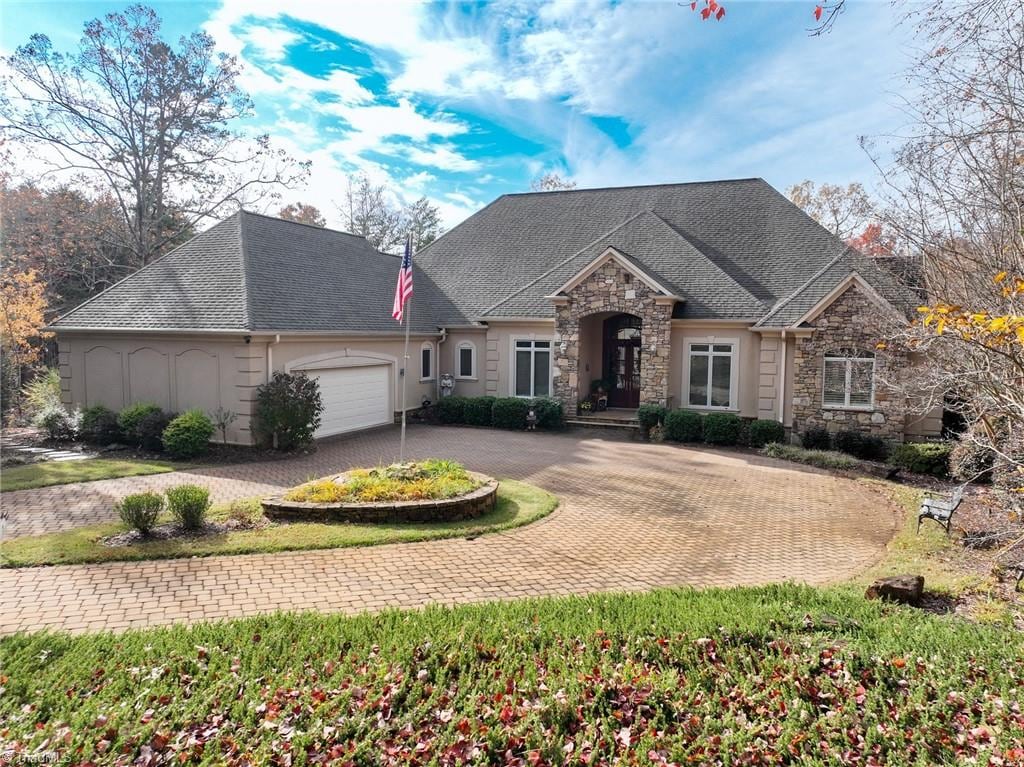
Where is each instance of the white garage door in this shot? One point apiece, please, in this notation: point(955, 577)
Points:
point(354, 398)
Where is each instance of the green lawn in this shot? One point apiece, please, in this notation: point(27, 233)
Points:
point(518, 504)
point(772, 675)
point(47, 473)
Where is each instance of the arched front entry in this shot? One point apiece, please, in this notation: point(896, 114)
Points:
point(622, 360)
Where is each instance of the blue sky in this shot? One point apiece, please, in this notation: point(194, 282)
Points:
point(462, 103)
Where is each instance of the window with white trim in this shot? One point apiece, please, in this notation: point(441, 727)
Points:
point(465, 360)
point(531, 374)
point(849, 379)
point(711, 375)
point(427, 362)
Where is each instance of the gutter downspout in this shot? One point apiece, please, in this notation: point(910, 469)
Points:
point(782, 381)
point(270, 355)
point(437, 373)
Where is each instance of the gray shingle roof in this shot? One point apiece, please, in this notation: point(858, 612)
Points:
point(256, 273)
point(731, 249)
point(745, 228)
point(660, 251)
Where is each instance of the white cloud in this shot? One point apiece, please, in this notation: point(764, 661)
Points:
point(442, 157)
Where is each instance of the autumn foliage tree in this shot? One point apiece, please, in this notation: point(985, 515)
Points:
point(22, 318)
point(145, 123)
point(303, 214)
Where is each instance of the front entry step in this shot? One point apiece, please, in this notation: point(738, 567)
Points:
point(609, 422)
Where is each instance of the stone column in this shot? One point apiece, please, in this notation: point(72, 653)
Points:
point(566, 363)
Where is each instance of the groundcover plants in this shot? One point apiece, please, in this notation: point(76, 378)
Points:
point(774, 675)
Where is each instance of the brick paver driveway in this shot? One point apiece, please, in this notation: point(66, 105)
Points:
point(633, 516)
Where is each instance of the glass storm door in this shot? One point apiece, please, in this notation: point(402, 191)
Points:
point(622, 360)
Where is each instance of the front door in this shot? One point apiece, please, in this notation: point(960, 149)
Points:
point(622, 360)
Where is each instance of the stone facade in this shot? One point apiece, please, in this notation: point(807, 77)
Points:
point(613, 289)
point(850, 322)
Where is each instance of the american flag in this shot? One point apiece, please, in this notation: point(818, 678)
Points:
point(403, 291)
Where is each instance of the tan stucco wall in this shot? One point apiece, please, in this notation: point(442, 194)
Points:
point(466, 387)
point(747, 357)
point(498, 381)
point(175, 372)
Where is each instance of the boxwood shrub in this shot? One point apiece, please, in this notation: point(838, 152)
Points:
point(816, 438)
point(684, 426)
point(149, 430)
point(764, 432)
point(510, 413)
point(923, 457)
point(478, 411)
point(650, 416)
point(722, 428)
point(549, 413)
point(189, 434)
point(99, 425)
point(129, 418)
point(189, 504)
point(866, 446)
point(452, 409)
point(140, 510)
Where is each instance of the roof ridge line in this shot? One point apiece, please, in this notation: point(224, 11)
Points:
point(704, 255)
point(138, 271)
point(810, 281)
point(303, 223)
point(562, 263)
point(246, 316)
point(637, 186)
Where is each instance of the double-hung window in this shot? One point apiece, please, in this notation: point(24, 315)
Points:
point(849, 380)
point(711, 375)
point(465, 360)
point(427, 362)
point(532, 374)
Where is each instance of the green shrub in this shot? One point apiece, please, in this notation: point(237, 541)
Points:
point(129, 418)
point(816, 438)
point(99, 425)
point(549, 413)
point(971, 461)
point(478, 411)
point(763, 432)
point(140, 510)
point(650, 416)
point(923, 457)
point(510, 413)
point(684, 426)
point(451, 410)
point(149, 430)
point(722, 428)
point(287, 411)
point(58, 423)
point(189, 504)
point(823, 459)
point(43, 392)
point(188, 435)
point(866, 446)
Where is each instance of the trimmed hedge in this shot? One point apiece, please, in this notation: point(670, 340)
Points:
point(128, 420)
point(764, 432)
point(923, 457)
point(189, 504)
point(452, 409)
point(866, 446)
point(816, 438)
point(549, 413)
point(189, 434)
point(510, 413)
point(99, 425)
point(684, 426)
point(722, 428)
point(650, 416)
point(479, 411)
point(140, 510)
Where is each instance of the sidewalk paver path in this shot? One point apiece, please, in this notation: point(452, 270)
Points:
point(632, 516)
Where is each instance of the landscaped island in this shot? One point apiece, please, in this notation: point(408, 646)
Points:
point(425, 491)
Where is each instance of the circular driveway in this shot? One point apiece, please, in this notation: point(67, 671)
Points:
point(632, 516)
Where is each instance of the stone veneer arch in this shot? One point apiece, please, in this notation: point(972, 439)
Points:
point(612, 288)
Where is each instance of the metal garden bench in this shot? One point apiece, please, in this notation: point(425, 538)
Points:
point(941, 509)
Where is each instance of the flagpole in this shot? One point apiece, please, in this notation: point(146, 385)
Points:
point(405, 375)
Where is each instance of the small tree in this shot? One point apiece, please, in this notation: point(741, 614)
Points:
point(288, 409)
point(303, 214)
point(551, 182)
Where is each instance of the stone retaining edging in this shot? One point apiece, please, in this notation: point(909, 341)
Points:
point(469, 506)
